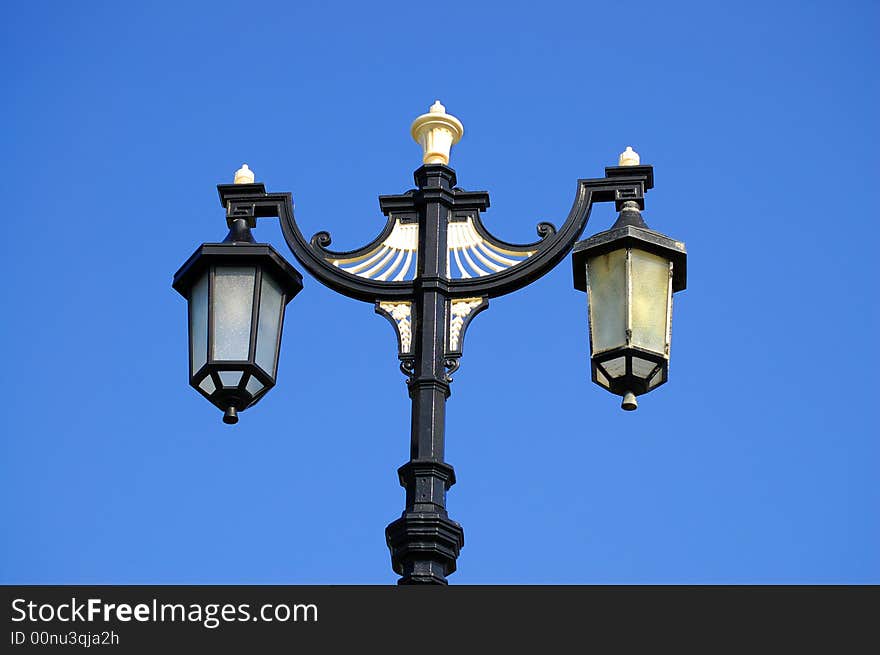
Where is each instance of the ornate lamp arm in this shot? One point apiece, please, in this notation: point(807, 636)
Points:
point(251, 201)
point(621, 183)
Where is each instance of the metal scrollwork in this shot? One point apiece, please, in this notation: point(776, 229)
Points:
point(408, 368)
point(400, 315)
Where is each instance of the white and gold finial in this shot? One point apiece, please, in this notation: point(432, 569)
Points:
point(243, 175)
point(629, 157)
point(436, 132)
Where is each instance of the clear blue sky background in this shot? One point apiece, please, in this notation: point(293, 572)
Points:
point(756, 463)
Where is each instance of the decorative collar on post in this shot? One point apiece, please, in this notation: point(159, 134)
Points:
point(437, 132)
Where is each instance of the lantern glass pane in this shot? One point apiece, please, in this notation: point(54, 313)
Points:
point(198, 324)
point(606, 275)
point(254, 386)
point(650, 297)
point(230, 378)
point(233, 302)
point(615, 367)
point(269, 325)
point(207, 385)
point(601, 379)
point(657, 379)
point(642, 368)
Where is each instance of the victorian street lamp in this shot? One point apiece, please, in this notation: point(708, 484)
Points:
point(237, 291)
point(430, 271)
point(629, 273)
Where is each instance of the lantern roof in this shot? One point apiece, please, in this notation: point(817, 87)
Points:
point(630, 236)
point(238, 254)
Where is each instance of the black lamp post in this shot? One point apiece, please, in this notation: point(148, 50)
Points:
point(431, 270)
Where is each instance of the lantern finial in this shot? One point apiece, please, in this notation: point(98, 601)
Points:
point(243, 175)
point(436, 132)
point(629, 157)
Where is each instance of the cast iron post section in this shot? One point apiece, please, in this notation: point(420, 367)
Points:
point(424, 541)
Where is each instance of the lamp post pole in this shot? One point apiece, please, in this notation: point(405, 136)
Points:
point(424, 542)
point(429, 272)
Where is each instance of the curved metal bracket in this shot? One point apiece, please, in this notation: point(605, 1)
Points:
point(543, 229)
point(250, 201)
point(320, 241)
point(621, 184)
point(556, 244)
point(399, 314)
point(460, 313)
point(311, 254)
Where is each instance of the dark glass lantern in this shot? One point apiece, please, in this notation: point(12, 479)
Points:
point(237, 292)
point(630, 273)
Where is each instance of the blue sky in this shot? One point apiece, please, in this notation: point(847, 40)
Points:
point(756, 463)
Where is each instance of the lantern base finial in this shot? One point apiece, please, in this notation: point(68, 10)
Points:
point(230, 416)
point(629, 402)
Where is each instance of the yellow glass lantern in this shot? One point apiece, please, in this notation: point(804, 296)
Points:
point(630, 273)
